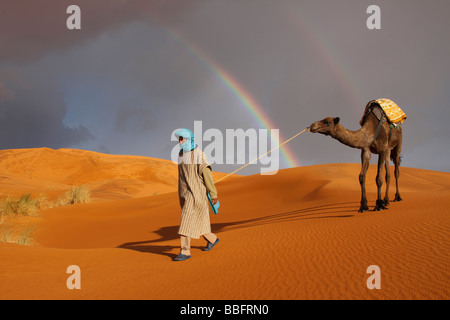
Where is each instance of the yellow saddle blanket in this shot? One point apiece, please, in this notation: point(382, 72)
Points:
point(392, 110)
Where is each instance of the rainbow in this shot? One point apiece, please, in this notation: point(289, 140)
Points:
point(302, 24)
point(236, 88)
point(254, 108)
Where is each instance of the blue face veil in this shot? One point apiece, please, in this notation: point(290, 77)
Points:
point(189, 136)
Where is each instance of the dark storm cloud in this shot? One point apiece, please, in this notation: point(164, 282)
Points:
point(33, 109)
point(132, 118)
point(32, 106)
point(32, 28)
point(5, 92)
point(33, 117)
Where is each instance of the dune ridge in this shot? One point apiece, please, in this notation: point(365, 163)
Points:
point(293, 235)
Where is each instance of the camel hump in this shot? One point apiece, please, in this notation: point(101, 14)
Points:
point(374, 107)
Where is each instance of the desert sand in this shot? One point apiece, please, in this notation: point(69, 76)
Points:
point(293, 235)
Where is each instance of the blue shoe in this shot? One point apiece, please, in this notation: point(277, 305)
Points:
point(209, 246)
point(181, 257)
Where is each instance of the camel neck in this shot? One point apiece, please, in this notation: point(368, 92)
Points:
point(359, 139)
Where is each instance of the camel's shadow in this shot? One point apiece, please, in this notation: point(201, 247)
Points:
point(329, 211)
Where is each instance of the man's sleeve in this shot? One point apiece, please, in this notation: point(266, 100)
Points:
point(209, 182)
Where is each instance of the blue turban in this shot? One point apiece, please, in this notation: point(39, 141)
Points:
point(187, 134)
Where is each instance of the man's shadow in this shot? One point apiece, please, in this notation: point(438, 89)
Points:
point(165, 233)
point(329, 211)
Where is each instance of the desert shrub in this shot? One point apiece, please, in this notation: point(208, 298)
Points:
point(24, 205)
point(14, 207)
point(5, 234)
point(22, 237)
point(25, 236)
point(76, 195)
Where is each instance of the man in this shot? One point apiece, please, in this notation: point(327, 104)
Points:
point(194, 181)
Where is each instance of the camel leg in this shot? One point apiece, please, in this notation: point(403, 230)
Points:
point(396, 158)
point(365, 160)
point(388, 178)
point(380, 204)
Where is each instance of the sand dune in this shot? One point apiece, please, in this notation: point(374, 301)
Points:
point(293, 235)
point(109, 177)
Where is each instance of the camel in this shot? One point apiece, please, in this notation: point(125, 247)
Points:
point(375, 136)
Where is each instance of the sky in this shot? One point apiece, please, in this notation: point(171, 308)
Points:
point(139, 69)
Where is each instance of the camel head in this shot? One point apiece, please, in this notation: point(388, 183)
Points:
point(325, 126)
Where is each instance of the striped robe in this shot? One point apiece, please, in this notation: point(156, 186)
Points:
point(192, 194)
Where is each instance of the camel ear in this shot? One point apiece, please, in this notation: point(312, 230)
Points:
point(336, 120)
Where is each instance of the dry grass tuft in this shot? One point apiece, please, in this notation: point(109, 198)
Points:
point(12, 208)
point(25, 205)
point(76, 195)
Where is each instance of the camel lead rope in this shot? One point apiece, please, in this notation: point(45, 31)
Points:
point(307, 129)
